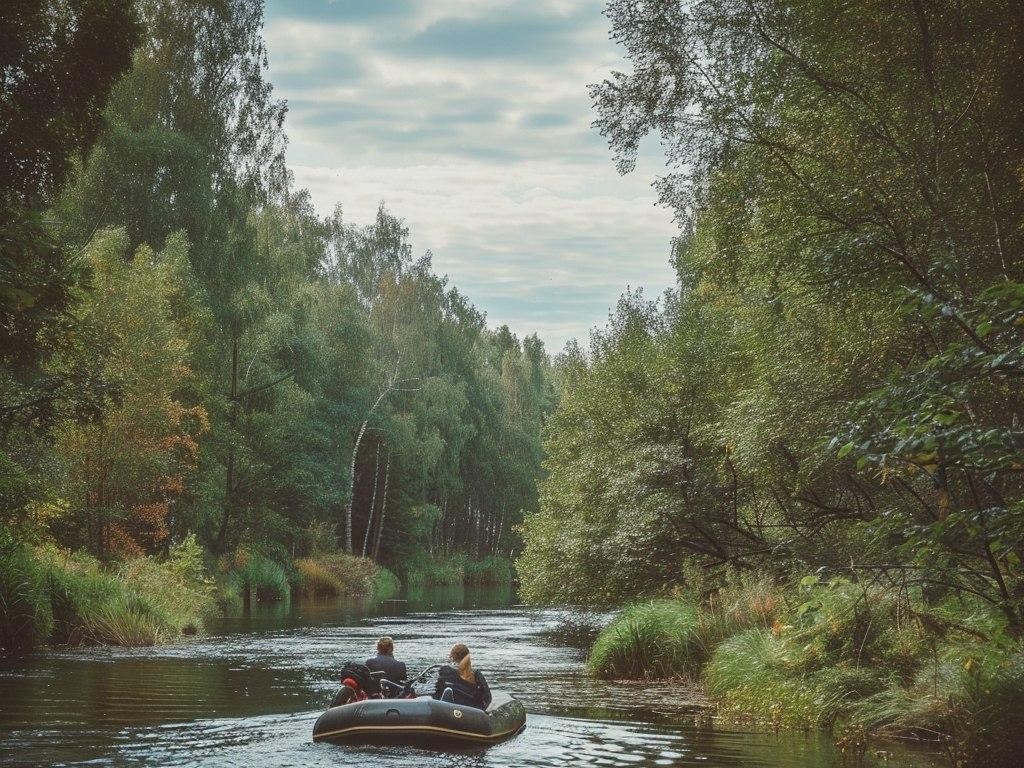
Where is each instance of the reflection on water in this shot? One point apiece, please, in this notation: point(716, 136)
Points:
point(248, 693)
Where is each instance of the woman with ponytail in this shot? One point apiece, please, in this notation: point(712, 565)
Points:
point(467, 686)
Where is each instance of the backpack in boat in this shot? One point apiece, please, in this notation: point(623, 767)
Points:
point(360, 673)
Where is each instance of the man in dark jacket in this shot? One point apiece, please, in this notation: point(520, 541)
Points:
point(385, 661)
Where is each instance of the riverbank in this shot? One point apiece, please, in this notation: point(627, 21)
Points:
point(866, 663)
point(50, 596)
point(54, 597)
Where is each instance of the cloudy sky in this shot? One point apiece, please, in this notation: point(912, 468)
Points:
point(471, 120)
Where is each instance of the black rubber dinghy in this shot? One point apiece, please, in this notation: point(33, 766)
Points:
point(421, 721)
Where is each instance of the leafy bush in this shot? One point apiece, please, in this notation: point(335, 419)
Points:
point(577, 628)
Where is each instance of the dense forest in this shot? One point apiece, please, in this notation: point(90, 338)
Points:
point(200, 374)
point(813, 444)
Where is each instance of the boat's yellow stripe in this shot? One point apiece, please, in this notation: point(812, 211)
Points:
point(408, 728)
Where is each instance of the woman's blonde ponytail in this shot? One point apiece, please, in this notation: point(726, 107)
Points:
point(460, 655)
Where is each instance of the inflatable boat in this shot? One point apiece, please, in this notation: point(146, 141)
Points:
point(422, 721)
point(371, 709)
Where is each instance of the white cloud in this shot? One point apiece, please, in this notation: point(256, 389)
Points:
point(527, 216)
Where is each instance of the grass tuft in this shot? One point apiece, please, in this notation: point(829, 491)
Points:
point(757, 675)
point(26, 617)
point(316, 580)
point(257, 574)
point(385, 585)
point(132, 621)
point(674, 637)
point(422, 570)
point(342, 575)
point(651, 639)
point(492, 571)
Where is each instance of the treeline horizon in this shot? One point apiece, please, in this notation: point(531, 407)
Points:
point(189, 348)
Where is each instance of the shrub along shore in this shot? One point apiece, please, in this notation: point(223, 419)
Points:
point(866, 662)
point(51, 596)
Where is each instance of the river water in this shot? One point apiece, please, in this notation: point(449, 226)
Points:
point(247, 694)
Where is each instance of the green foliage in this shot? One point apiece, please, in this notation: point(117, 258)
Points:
point(79, 592)
point(424, 570)
point(757, 674)
point(51, 101)
point(833, 382)
point(925, 423)
point(131, 620)
point(71, 599)
point(192, 346)
point(675, 637)
point(316, 580)
point(864, 661)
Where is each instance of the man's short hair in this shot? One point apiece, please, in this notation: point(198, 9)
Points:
point(385, 645)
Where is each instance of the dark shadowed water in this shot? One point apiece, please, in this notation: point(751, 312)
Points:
point(248, 694)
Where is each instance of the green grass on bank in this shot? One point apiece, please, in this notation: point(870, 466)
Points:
point(673, 638)
point(423, 570)
point(341, 575)
point(653, 639)
point(255, 575)
point(385, 584)
point(50, 596)
point(492, 571)
point(865, 662)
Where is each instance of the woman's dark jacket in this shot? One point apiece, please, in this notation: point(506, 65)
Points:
point(468, 694)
